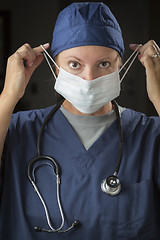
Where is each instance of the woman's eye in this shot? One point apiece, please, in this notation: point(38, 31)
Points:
point(104, 64)
point(74, 65)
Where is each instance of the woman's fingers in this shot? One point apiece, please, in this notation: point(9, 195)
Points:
point(149, 49)
point(20, 67)
point(28, 54)
point(39, 48)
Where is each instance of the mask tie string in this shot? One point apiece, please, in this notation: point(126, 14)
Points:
point(135, 51)
point(45, 53)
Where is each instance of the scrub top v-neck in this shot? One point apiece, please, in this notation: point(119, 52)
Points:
point(90, 128)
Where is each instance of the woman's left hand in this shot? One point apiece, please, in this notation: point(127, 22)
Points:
point(149, 56)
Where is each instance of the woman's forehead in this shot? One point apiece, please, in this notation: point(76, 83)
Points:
point(83, 52)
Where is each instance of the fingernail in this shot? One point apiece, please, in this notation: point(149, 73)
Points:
point(46, 45)
point(132, 45)
point(30, 64)
point(39, 54)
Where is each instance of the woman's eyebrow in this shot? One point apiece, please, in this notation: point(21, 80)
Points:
point(78, 59)
point(107, 58)
point(103, 59)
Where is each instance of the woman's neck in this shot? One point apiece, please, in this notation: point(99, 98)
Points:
point(103, 110)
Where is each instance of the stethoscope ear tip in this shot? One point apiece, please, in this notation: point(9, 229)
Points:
point(38, 229)
point(76, 223)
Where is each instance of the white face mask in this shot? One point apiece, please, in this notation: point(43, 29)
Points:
point(88, 96)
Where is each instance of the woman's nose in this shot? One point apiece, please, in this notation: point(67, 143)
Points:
point(89, 74)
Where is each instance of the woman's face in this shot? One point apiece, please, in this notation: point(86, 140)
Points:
point(89, 62)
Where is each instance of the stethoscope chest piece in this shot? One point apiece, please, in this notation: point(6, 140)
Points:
point(111, 185)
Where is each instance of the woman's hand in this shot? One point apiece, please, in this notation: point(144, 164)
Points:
point(149, 56)
point(20, 67)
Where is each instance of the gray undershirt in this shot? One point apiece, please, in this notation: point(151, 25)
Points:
point(90, 128)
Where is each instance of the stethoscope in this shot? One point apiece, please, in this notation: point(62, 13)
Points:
point(111, 185)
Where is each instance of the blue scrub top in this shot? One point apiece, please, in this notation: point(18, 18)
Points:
point(133, 214)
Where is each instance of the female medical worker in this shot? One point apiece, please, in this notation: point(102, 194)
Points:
point(82, 137)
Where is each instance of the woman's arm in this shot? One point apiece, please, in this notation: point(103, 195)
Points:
point(149, 56)
point(20, 67)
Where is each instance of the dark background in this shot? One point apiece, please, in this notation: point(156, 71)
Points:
point(33, 22)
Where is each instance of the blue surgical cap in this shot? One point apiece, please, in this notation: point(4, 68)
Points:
point(86, 23)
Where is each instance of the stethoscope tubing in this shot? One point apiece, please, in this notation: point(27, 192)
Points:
point(120, 152)
point(52, 112)
point(31, 176)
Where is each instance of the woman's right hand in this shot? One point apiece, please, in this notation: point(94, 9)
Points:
point(20, 67)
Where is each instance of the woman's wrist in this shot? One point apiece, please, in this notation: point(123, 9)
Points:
point(156, 103)
point(8, 101)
